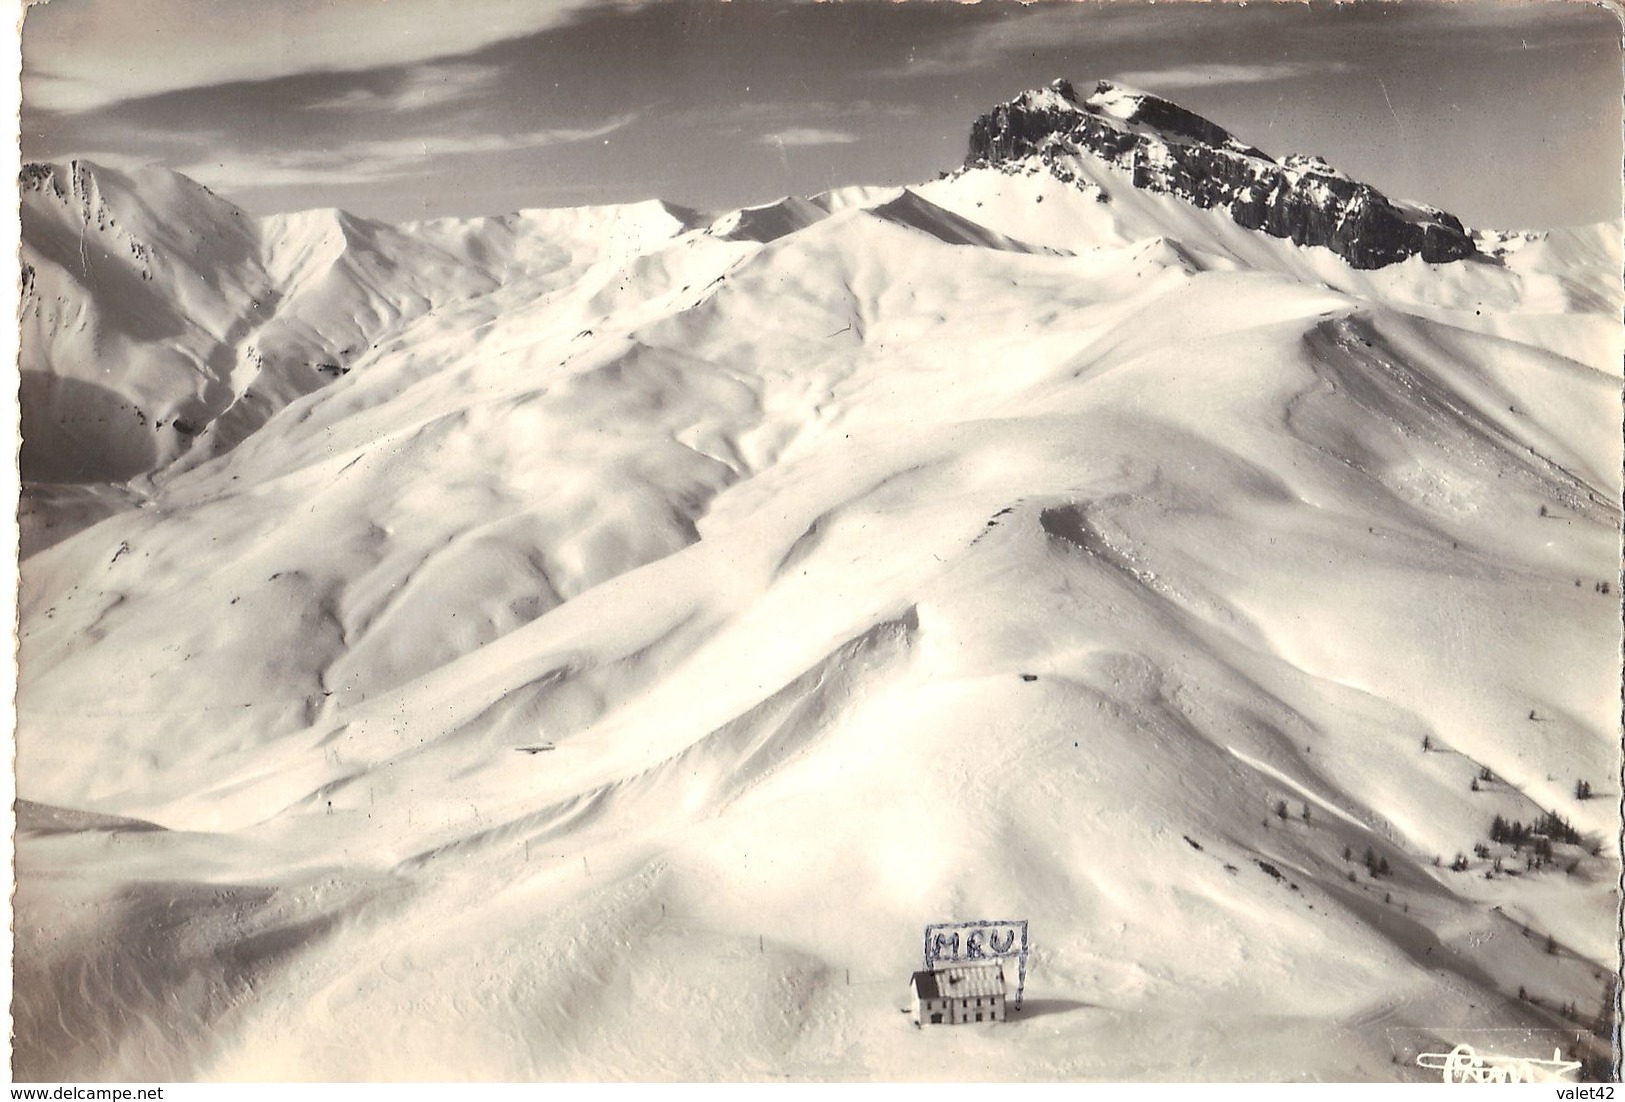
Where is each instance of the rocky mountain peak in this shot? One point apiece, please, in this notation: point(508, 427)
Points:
point(1165, 148)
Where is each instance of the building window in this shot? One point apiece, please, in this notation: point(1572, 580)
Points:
point(936, 1019)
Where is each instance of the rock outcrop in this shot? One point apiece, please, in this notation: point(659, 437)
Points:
point(1164, 148)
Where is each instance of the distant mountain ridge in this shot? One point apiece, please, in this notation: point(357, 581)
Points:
point(161, 325)
point(1168, 149)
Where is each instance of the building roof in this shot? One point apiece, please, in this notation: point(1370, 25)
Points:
point(960, 981)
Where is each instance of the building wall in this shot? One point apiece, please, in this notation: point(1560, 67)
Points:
point(960, 1011)
point(924, 1008)
point(990, 1007)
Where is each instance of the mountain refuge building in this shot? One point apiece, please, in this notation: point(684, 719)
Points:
point(959, 993)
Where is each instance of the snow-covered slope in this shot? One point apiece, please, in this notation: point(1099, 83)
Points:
point(134, 296)
point(162, 325)
point(995, 548)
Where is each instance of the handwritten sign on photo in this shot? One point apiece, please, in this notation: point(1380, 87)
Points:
point(963, 942)
point(1463, 1065)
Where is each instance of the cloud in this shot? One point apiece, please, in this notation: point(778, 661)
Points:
point(807, 109)
point(379, 159)
point(789, 116)
point(1033, 30)
point(1197, 76)
point(83, 54)
point(425, 86)
point(807, 135)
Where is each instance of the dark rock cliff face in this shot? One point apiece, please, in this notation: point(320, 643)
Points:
point(1164, 148)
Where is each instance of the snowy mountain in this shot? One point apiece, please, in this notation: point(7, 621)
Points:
point(163, 326)
point(595, 643)
point(1164, 148)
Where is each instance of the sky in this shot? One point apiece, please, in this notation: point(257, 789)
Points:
point(1507, 114)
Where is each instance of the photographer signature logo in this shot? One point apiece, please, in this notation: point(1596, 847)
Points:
point(1464, 1065)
